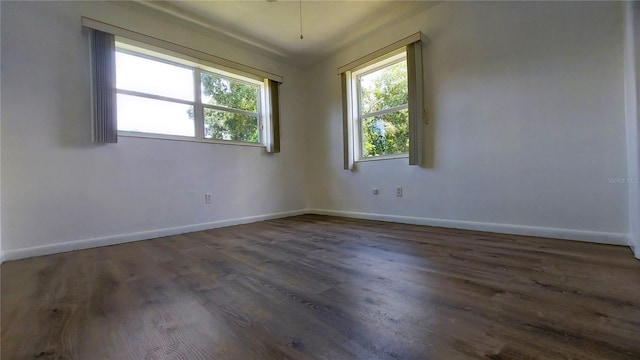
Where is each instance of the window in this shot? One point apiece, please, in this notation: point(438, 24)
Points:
point(382, 104)
point(161, 96)
point(145, 86)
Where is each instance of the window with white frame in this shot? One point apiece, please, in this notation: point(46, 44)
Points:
point(382, 104)
point(382, 108)
point(162, 96)
point(145, 86)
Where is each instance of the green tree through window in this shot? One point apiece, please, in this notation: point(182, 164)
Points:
point(227, 95)
point(388, 132)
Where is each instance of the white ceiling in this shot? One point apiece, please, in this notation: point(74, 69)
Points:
point(274, 27)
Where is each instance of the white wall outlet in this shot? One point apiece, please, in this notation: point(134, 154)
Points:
point(375, 191)
point(207, 198)
point(399, 191)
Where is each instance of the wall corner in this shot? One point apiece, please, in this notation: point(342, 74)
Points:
point(632, 118)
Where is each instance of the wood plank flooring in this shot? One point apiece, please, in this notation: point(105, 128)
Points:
point(317, 287)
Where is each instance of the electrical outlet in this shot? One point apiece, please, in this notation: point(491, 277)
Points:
point(399, 191)
point(207, 198)
point(375, 191)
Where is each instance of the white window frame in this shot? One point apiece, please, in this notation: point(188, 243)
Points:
point(198, 67)
point(356, 99)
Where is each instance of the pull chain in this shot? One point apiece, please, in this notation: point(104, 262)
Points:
point(301, 37)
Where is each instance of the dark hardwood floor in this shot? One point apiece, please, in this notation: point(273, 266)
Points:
point(317, 287)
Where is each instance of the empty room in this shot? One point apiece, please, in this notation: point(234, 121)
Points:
point(293, 179)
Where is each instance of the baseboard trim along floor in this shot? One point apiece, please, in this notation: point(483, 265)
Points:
point(556, 233)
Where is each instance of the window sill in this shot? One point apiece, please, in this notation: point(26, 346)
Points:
point(383, 157)
point(186, 138)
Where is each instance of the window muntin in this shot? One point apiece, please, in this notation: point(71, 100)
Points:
point(158, 97)
point(382, 108)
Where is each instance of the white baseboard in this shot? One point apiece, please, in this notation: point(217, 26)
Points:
point(566, 234)
point(137, 236)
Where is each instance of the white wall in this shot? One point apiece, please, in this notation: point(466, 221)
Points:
point(527, 110)
point(1, 252)
point(635, 167)
point(632, 84)
point(60, 188)
point(527, 124)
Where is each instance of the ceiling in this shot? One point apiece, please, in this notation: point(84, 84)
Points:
point(274, 26)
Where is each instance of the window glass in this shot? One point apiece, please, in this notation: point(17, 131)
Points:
point(386, 134)
point(385, 88)
point(140, 74)
point(224, 125)
point(234, 94)
point(154, 116)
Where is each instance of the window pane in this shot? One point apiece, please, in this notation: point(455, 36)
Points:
point(140, 74)
point(221, 91)
point(386, 134)
point(384, 88)
point(224, 125)
point(154, 116)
